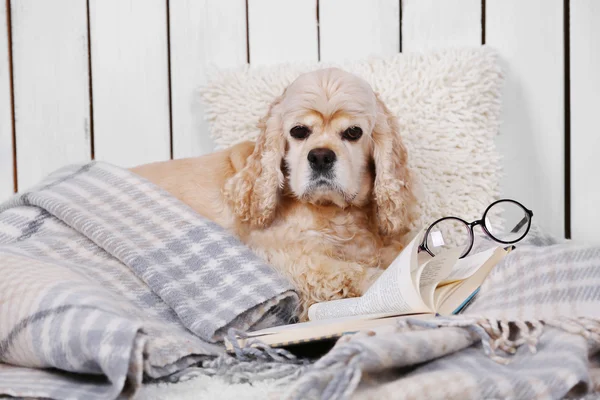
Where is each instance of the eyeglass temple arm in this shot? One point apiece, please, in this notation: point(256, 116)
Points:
point(518, 227)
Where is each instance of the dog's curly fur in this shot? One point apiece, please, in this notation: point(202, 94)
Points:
point(332, 239)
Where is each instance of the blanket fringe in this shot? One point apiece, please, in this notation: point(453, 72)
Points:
point(508, 336)
point(255, 361)
point(494, 334)
point(337, 375)
point(589, 328)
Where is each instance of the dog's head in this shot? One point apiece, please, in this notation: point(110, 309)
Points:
point(328, 139)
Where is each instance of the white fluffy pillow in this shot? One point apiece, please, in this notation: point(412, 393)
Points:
point(448, 104)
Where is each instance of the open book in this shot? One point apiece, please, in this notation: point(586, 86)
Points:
point(313, 331)
point(416, 283)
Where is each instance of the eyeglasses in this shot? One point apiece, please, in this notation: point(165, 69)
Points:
point(505, 221)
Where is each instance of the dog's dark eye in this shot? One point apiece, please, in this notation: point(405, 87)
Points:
point(299, 132)
point(352, 133)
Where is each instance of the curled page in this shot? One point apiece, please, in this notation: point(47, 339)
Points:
point(433, 272)
point(468, 266)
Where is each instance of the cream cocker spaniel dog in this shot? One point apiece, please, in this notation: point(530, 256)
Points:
point(324, 195)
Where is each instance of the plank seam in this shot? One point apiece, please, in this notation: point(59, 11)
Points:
point(400, 25)
point(483, 21)
point(318, 31)
point(12, 94)
point(567, 105)
point(168, 5)
point(247, 33)
point(90, 80)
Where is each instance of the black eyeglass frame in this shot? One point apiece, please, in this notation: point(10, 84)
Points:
point(481, 222)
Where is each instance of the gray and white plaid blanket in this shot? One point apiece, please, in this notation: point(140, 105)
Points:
point(533, 332)
point(106, 280)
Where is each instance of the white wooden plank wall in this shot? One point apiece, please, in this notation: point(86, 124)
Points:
point(431, 24)
point(585, 129)
point(201, 32)
point(50, 69)
point(531, 138)
point(6, 145)
point(353, 29)
point(130, 81)
point(149, 58)
point(282, 31)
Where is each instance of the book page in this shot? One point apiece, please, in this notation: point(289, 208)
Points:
point(465, 288)
point(343, 322)
point(319, 330)
point(441, 293)
point(334, 309)
point(422, 258)
point(392, 292)
point(433, 272)
point(468, 266)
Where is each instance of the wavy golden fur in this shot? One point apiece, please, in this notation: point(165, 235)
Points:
point(324, 195)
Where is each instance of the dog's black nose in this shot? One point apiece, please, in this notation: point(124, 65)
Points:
point(321, 159)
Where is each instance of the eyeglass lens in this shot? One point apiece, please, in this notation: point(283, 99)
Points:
point(507, 221)
point(448, 233)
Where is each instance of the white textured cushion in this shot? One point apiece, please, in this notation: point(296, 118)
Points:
point(448, 104)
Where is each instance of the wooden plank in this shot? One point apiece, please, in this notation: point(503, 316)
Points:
point(364, 28)
point(51, 94)
point(431, 24)
point(202, 32)
point(585, 105)
point(6, 142)
point(130, 81)
point(531, 138)
point(282, 31)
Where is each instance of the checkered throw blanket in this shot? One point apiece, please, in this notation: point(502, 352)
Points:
point(106, 280)
point(533, 332)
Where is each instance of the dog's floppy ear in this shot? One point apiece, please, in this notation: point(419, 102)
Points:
point(253, 192)
point(393, 193)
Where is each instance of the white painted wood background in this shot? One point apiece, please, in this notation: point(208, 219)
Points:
point(532, 135)
point(130, 81)
point(51, 96)
point(117, 80)
point(585, 109)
